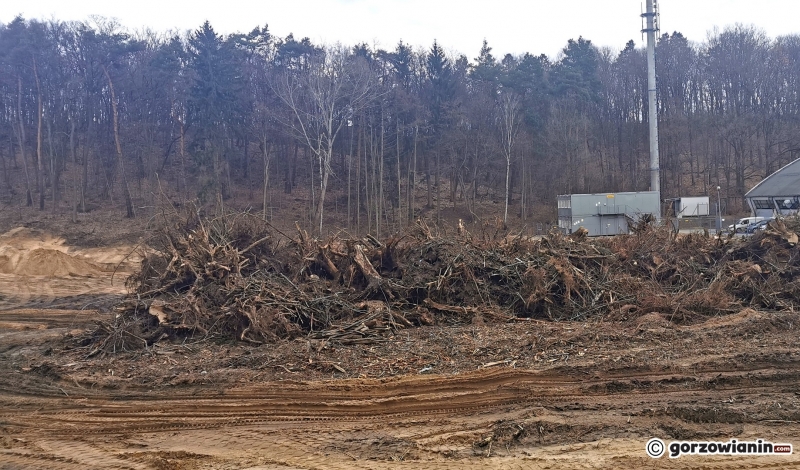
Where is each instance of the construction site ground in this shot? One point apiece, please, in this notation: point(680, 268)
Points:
point(526, 393)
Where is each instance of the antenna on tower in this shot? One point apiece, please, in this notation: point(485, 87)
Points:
point(657, 16)
point(642, 16)
point(651, 16)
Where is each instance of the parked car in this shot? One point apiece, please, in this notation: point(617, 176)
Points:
point(756, 226)
point(743, 223)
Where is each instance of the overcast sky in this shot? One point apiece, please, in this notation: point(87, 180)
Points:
point(510, 26)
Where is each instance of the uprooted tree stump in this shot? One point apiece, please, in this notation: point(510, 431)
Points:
point(235, 277)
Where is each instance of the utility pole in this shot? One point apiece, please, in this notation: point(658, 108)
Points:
point(719, 214)
point(652, 27)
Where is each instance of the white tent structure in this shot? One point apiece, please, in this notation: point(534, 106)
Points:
point(778, 193)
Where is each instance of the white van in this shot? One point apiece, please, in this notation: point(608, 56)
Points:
point(743, 223)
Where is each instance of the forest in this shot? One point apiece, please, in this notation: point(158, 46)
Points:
point(368, 139)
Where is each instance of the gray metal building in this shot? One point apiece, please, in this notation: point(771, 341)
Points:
point(689, 206)
point(778, 193)
point(605, 213)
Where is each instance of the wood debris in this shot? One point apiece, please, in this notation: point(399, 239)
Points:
point(235, 277)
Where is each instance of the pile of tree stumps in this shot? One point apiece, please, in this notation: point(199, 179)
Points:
point(235, 277)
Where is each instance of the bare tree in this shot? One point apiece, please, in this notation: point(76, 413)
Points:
point(121, 161)
point(322, 99)
point(40, 183)
point(509, 107)
point(21, 137)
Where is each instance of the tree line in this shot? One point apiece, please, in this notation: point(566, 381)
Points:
point(375, 138)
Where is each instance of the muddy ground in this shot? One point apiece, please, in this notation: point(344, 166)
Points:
point(523, 394)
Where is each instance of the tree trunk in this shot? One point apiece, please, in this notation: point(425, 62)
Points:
point(358, 183)
point(399, 217)
point(369, 178)
point(436, 183)
point(523, 198)
point(72, 155)
point(265, 151)
point(475, 182)
point(428, 180)
point(11, 136)
point(55, 171)
point(21, 137)
point(369, 150)
point(85, 172)
point(379, 198)
point(39, 160)
point(349, 179)
point(246, 162)
point(411, 180)
point(182, 186)
point(508, 175)
point(453, 180)
point(323, 187)
point(130, 213)
point(6, 180)
point(75, 198)
point(75, 182)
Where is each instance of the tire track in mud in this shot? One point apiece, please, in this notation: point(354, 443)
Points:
point(34, 318)
point(25, 292)
point(396, 390)
point(23, 461)
point(317, 403)
point(354, 423)
point(15, 295)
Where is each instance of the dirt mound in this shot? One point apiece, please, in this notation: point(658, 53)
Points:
point(49, 262)
point(38, 268)
point(33, 252)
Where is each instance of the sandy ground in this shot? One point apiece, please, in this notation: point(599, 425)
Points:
point(37, 268)
point(518, 395)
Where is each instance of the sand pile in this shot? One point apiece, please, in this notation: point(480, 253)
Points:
point(29, 252)
point(49, 262)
